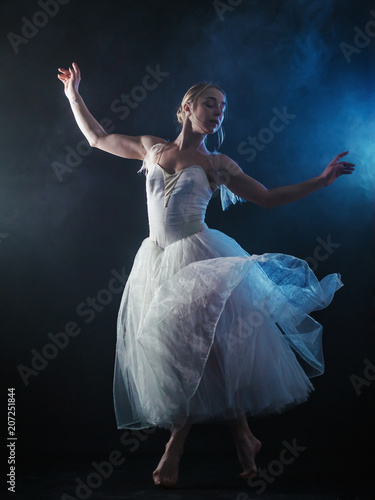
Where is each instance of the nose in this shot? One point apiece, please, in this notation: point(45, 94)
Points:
point(219, 114)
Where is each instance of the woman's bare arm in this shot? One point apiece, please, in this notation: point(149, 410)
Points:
point(250, 189)
point(126, 146)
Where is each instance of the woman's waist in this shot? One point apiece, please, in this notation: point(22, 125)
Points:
point(165, 234)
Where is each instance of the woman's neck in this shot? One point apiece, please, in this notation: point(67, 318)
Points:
point(190, 140)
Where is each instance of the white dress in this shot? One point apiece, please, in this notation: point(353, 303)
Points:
point(207, 331)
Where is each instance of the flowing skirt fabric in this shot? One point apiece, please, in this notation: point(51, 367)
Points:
point(207, 332)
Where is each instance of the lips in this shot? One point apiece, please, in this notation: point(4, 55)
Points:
point(214, 121)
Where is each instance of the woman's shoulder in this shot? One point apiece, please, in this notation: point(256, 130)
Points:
point(152, 146)
point(151, 143)
point(224, 163)
point(224, 168)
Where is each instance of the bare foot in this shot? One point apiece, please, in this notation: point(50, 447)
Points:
point(247, 449)
point(166, 473)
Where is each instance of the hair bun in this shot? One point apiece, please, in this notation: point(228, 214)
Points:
point(179, 115)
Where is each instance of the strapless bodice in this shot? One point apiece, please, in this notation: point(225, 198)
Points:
point(176, 203)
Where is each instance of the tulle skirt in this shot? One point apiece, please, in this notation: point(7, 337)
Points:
point(207, 332)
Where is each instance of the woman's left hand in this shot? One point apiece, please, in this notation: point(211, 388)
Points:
point(337, 168)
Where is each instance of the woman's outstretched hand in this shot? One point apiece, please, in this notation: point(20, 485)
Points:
point(71, 78)
point(337, 168)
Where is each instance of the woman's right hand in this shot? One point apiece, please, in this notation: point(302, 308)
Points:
point(71, 78)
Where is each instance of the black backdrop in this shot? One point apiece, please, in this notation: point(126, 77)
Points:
point(73, 218)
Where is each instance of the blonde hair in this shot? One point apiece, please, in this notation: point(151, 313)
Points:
point(191, 97)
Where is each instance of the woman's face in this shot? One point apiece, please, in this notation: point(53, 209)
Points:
point(208, 114)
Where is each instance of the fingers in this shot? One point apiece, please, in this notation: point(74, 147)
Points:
point(74, 69)
point(63, 78)
point(338, 157)
point(336, 161)
point(341, 167)
point(64, 75)
point(346, 168)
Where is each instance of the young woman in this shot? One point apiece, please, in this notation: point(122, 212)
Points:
point(206, 331)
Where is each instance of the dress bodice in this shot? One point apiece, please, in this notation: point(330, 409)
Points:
point(176, 203)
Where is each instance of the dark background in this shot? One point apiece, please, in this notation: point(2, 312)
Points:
point(61, 237)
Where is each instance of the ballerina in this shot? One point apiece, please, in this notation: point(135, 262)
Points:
point(189, 348)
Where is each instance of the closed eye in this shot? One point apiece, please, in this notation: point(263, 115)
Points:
point(210, 99)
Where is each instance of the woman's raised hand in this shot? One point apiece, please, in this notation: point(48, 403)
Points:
point(71, 78)
point(337, 168)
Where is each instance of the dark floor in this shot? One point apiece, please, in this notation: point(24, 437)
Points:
point(312, 475)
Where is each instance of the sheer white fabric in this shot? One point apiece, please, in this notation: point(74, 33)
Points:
point(207, 331)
